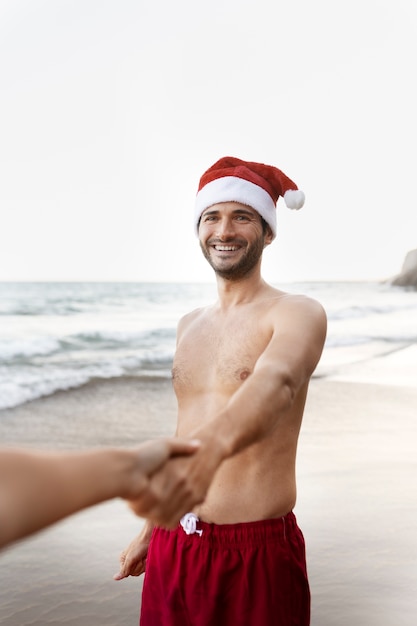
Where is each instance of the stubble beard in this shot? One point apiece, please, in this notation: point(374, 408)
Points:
point(241, 268)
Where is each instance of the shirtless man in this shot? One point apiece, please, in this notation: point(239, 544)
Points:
point(241, 374)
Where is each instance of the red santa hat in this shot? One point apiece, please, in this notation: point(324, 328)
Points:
point(254, 184)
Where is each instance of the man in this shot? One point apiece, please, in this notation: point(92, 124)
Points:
point(39, 488)
point(241, 373)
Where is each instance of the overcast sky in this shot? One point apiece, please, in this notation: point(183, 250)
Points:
point(110, 110)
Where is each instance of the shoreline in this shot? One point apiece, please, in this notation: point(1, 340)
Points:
point(396, 367)
point(90, 414)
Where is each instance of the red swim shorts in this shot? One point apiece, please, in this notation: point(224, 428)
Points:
point(250, 574)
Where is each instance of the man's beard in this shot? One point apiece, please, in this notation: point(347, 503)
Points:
point(241, 268)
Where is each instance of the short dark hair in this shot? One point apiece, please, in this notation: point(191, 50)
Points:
point(265, 226)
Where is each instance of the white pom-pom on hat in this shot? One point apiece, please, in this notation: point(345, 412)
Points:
point(294, 199)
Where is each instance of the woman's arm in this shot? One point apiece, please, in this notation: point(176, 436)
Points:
point(39, 488)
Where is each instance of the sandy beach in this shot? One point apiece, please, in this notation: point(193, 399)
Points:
point(356, 502)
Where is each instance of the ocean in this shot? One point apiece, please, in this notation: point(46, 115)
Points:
point(56, 336)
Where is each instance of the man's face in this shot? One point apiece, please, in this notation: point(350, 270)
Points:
point(232, 239)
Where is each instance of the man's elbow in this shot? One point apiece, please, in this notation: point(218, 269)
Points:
point(288, 387)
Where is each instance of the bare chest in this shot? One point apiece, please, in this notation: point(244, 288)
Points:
point(218, 355)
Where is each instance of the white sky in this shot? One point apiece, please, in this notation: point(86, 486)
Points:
point(110, 110)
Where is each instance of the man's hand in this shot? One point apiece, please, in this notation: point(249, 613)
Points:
point(133, 559)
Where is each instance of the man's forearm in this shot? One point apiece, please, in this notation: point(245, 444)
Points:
point(252, 412)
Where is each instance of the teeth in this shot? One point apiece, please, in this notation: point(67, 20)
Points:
point(226, 248)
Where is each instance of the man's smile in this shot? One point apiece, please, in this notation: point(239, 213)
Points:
point(224, 248)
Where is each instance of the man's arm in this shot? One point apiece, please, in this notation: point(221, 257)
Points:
point(261, 402)
point(40, 488)
point(280, 372)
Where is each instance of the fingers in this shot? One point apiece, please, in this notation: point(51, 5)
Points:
point(172, 492)
point(155, 453)
point(129, 567)
point(174, 487)
point(183, 446)
point(144, 503)
point(122, 572)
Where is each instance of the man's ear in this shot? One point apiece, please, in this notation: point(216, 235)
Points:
point(268, 237)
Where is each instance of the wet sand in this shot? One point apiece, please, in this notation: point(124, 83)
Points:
point(356, 505)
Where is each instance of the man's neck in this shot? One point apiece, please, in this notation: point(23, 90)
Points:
point(241, 291)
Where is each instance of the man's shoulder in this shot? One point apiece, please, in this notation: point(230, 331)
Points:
point(191, 316)
point(299, 301)
point(299, 309)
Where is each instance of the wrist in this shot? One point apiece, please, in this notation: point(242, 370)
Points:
point(217, 441)
point(132, 479)
point(147, 531)
point(116, 470)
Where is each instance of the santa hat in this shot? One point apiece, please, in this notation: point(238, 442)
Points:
point(254, 184)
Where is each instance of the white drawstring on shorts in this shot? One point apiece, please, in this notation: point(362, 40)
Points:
point(189, 524)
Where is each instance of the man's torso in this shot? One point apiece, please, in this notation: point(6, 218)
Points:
point(216, 352)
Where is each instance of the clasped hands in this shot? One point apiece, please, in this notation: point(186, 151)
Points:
point(177, 485)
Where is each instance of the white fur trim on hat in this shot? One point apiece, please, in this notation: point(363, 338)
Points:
point(234, 189)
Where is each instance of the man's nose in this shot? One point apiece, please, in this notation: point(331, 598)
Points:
point(225, 228)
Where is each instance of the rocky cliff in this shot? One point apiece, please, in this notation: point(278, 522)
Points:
point(408, 275)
